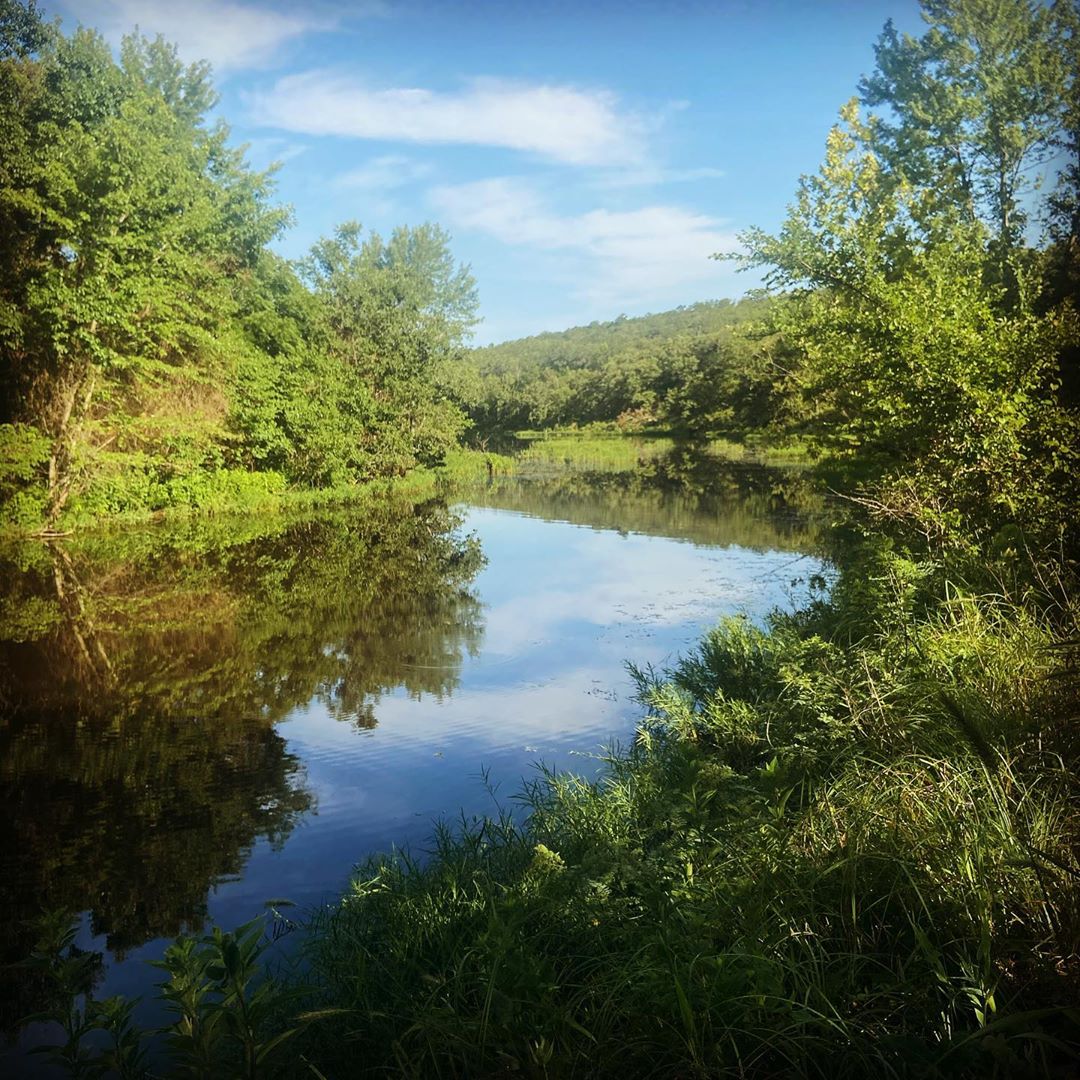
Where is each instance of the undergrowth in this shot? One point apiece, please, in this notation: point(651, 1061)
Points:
point(234, 492)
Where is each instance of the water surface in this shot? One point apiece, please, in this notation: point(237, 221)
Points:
point(201, 719)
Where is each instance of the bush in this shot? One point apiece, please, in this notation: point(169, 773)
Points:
point(24, 454)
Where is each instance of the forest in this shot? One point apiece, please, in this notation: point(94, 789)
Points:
point(157, 353)
point(845, 840)
point(697, 370)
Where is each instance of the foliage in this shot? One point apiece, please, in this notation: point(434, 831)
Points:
point(147, 334)
point(68, 975)
point(226, 1009)
point(918, 313)
point(398, 311)
point(975, 108)
point(697, 369)
point(23, 452)
point(224, 1004)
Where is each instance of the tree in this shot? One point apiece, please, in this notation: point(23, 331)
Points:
point(1062, 217)
point(397, 312)
point(920, 355)
point(975, 108)
point(125, 217)
point(22, 31)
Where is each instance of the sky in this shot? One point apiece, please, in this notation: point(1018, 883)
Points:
point(586, 158)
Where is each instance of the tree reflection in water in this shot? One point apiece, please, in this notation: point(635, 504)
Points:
point(141, 678)
point(657, 487)
point(143, 673)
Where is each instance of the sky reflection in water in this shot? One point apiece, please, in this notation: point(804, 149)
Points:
point(349, 701)
point(565, 607)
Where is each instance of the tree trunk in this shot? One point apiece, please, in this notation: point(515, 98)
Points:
point(69, 593)
point(74, 404)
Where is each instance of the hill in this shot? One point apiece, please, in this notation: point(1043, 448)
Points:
point(699, 366)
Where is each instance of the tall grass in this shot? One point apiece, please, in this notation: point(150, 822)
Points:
point(843, 845)
point(602, 450)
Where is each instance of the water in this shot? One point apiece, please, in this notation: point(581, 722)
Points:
point(201, 719)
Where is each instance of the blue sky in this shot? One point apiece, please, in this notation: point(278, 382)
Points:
point(586, 158)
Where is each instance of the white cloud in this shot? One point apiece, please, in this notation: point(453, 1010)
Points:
point(272, 150)
point(651, 176)
point(230, 35)
point(383, 173)
point(566, 124)
point(624, 256)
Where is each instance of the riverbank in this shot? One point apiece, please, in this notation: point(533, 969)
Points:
point(842, 842)
point(260, 495)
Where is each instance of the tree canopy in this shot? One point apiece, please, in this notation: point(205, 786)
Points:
point(929, 326)
point(154, 350)
point(699, 368)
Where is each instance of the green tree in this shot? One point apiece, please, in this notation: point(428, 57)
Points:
point(125, 217)
point(397, 312)
point(915, 360)
point(975, 108)
point(1063, 206)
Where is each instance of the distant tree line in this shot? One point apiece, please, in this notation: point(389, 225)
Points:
point(706, 367)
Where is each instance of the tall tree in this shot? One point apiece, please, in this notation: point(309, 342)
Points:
point(126, 216)
point(974, 107)
point(398, 311)
point(929, 359)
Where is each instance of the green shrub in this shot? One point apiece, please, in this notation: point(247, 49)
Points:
point(24, 454)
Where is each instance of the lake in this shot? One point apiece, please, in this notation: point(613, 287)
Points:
point(201, 718)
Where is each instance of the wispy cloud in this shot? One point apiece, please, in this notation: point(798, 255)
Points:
point(383, 173)
point(623, 256)
point(655, 176)
point(231, 36)
point(562, 123)
point(263, 152)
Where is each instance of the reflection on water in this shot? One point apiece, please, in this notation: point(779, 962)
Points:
point(659, 488)
point(196, 720)
point(143, 677)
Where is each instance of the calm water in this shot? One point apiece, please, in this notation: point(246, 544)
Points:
point(197, 720)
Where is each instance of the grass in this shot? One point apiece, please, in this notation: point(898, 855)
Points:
point(461, 466)
point(594, 452)
point(790, 451)
point(841, 846)
point(603, 450)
